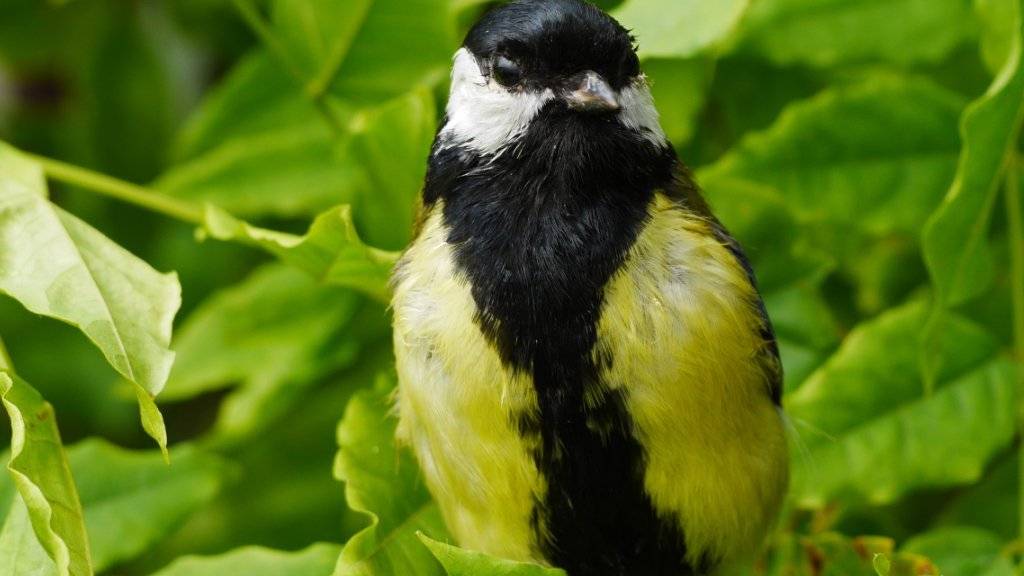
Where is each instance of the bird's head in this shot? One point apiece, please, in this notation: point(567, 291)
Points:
point(559, 61)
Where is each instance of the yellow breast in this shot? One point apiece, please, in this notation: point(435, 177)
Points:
point(680, 321)
point(682, 324)
point(456, 402)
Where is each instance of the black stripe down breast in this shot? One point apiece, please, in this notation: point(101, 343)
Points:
point(539, 229)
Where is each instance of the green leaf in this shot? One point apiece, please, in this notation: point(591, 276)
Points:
point(882, 564)
point(58, 266)
point(998, 28)
point(876, 369)
point(459, 562)
point(20, 551)
point(131, 99)
point(258, 151)
point(285, 467)
point(955, 238)
point(680, 89)
point(274, 323)
point(331, 250)
point(274, 334)
point(293, 171)
point(383, 482)
point(836, 157)
point(43, 478)
point(349, 48)
point(681, 28)
point(257, 146)
point(255, 98)
point(317, 35)
point(830, 32)
point(395, 167)
point(747, 94)
point(942, 440)
point(402, 45)
point(991, 504)
point(317, 560)
point(133, 500)
point(963, 551)
point(888, 438)
point(768, 228)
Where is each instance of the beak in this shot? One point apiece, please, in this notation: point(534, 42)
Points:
point(593, 94)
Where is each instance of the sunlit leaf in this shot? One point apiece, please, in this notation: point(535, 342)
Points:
point(955, 239)
point(828, 32)
point(395, 167)
point(459, 562)
point(317, 560)
point(682, 28)
point(295, 171)
point(942, 440)
point(383, 482)
point(876, 369)
point(331, 252)
point(837, 157)
point(20, 551)
point(885, 439)
point(133, 500)
point(58, 266)
point(258, 146)
point(998, 26)
point(40, 470)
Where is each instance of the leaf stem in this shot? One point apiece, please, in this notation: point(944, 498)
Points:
point(1015, 225)
point(121, 190)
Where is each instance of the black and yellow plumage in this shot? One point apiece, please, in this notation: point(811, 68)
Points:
point(587, 374)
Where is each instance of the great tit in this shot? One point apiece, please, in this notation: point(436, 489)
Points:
point(587, 374)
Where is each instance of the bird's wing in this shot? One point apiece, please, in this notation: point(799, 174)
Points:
point(770, 352)
point(687, 192)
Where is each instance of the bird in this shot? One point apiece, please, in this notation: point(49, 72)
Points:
point(587, 374)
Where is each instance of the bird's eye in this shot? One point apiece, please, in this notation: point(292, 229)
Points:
point(506, 72)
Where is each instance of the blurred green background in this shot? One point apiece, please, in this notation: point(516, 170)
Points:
point(865, 153)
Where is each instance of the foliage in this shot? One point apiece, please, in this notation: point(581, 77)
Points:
point(270, 151)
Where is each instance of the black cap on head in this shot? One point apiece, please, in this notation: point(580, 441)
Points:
point(556, 39)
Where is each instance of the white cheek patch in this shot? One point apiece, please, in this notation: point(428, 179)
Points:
point(639, 113)
point(484, 115)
